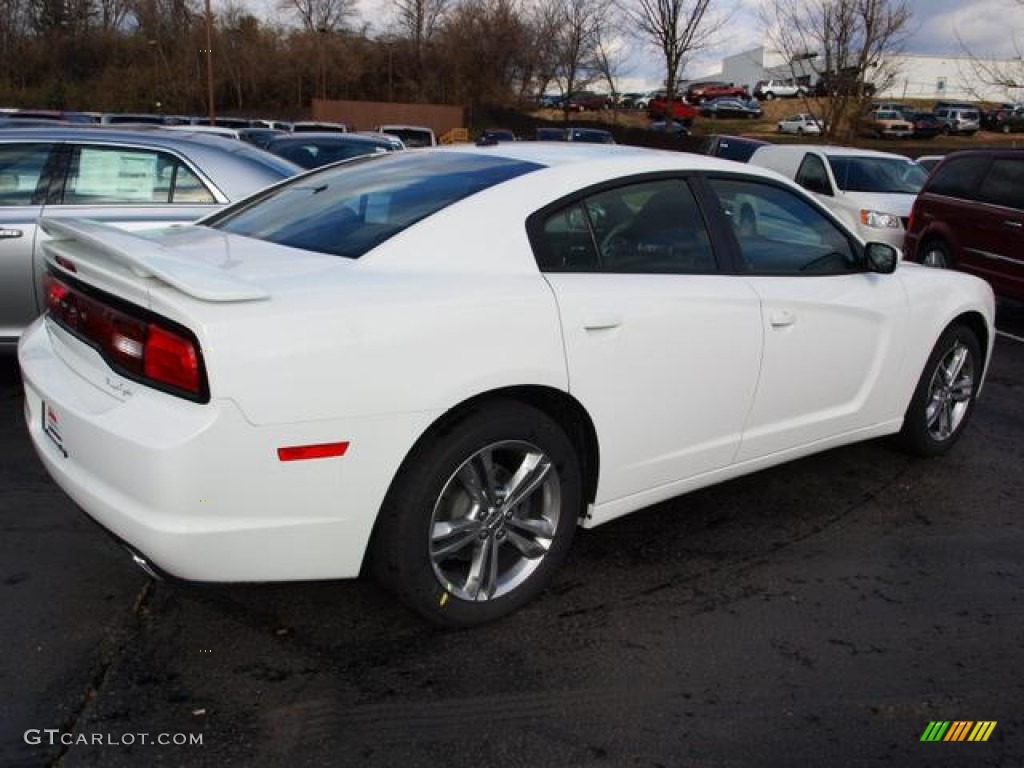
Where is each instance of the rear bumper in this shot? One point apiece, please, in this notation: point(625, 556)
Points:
point(197, 489)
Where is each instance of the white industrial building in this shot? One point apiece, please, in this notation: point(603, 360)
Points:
point(915, 76)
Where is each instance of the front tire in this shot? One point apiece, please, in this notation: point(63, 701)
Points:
point(480, 516)
point(944, 398)
point(935, 253)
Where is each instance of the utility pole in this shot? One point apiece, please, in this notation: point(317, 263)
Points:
point(209, 63)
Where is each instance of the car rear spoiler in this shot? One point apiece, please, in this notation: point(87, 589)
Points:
point(79, 240)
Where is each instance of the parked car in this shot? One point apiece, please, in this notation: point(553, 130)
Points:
point(589, 135)
point(312, 150)
point(800, 124)
point(957, 120)
point(134, 179)
point(643, 101)
point(766, 90)
point(926, 125)
point(658, 109)
point(412, 136)
point(266, 403)
point(498, 134)
point(319, 126)
point(583, 101)
point(1004, 120)
point(929, 162)
point(698, 93)
point(871, 192)
point(970, 216)
point(727, 107)
point(550, 134)
point(549, 101)
point(738, 148)
point(886, 125)
point(675, 127)
point(259, 137)
point(846, 84)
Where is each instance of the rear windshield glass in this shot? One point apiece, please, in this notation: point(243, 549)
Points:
point(877, 174)
point(349, 209)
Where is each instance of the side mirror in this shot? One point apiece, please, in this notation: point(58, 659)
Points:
point(881, 258)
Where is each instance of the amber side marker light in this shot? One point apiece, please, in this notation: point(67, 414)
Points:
point(321, 451)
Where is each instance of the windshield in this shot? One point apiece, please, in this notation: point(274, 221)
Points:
point(348, 209)
point(877, 174)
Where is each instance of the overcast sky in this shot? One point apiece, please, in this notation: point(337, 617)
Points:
point(988, 27)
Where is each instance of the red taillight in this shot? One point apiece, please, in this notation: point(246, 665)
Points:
point(149, 351)
point(171, 359)
point(320, 451)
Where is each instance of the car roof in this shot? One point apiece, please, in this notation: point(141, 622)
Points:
point(559, 154)
point(831, 151)
point(250, 165)
point(334, 137)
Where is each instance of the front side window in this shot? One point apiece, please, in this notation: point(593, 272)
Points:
point(21, 168)
point(780, 233)
point(812, 175)
point(877, 174)
point(648, 227)
point(350, 209)
point(125, 176)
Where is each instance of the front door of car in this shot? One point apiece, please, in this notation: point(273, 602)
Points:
point(834, 334)
point(662, 349)
point(22, 193)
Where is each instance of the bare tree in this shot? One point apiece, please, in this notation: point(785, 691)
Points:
point(320, 19)
point(848, 45)
point(609, 58)
point(983, 74)
point(577, 31)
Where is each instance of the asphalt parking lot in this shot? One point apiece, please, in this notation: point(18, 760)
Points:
point(822, 613)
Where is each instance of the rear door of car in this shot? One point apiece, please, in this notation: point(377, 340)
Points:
point(998, 248)
point(128, 186)
point(25, 173)
point(662, 346)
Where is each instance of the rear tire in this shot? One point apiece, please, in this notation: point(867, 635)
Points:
point(944, 398)
point(480, 517)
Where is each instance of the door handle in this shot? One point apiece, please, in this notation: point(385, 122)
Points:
point(1014, 224)
point(782, 319)
point(602, 321)
point(10, 234)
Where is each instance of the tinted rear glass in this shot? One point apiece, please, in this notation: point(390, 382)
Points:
point(349, 209)
point(1004, 183)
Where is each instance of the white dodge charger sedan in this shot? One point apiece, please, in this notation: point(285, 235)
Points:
point(437, 364)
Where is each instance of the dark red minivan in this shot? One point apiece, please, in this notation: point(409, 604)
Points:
point(970, 216)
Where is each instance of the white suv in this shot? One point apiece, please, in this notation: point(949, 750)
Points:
point(772, 89)
point(956, 120)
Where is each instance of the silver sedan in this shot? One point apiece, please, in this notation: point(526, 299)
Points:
point(133, 179)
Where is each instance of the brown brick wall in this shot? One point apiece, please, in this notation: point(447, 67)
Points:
point(365, 115)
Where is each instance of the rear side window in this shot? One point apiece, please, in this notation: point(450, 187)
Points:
point(21, 166)
point(959, 177)
point(1004, 183)
point(653, 227)
point(350, 209)
point(126, 176)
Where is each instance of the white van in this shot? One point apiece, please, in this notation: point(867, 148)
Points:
point(870, 191)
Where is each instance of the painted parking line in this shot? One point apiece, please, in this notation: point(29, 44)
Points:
point(1006, 335)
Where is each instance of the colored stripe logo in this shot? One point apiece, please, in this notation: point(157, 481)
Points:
point(958, 730)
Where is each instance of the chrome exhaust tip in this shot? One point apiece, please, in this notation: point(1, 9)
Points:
point(144, 564)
